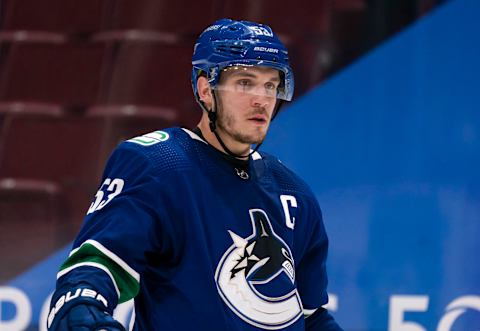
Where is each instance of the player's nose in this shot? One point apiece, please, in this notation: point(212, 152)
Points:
point(260, 100)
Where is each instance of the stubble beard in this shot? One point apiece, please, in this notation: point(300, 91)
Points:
point(226, 123)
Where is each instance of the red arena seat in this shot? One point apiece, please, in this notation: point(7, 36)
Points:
point(63, 149)
point(122, 122)
point(66, 16)
point(51, 72)
point(33, 223)
point(154, 73)
point(311, 18)
point(181, 16)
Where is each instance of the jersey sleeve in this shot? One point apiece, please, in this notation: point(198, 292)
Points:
point(311, 270)
point(122, 228)
point(312, 275)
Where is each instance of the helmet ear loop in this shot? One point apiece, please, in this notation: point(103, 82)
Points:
point(212, 114)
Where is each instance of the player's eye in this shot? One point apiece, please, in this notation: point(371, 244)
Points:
point(270, 88)
point(244, 84)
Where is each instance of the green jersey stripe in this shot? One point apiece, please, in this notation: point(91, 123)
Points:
point(111, 255)
point(89, 253)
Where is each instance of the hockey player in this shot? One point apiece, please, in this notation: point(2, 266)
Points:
point(202, 231)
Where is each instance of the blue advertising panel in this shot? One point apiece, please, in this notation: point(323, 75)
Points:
point(391, 147)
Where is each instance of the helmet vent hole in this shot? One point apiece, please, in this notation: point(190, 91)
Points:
point(230, 49)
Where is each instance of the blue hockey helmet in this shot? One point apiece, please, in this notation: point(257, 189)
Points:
point(229, 43)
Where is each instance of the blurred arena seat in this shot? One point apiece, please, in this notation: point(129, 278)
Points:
point(10, 110)
point(54, 147)
point(122, 122)
point(46, 68)
point(180, 16)
point(309, 59)
point(149, 69)
point(310, 18)
point(351, 5)
point(32, 214)
point(63, 16)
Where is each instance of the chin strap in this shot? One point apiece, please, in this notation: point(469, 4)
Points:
point(212, 116)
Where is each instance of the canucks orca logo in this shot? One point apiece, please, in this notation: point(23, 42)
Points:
point(254, 262)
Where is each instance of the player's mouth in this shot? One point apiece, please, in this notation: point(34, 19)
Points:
point(258, 119)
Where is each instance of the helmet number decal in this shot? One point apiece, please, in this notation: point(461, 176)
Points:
point(261, 31)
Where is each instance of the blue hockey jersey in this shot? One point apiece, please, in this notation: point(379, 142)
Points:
point(200, 243)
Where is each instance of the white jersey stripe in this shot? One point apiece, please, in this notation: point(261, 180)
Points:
point(193, 135)
point(308, 312)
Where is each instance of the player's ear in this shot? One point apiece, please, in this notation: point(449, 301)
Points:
point(204, 91)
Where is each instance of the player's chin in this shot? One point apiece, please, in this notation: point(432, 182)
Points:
point(254, 135)
point(257, 138)
point(259, 127)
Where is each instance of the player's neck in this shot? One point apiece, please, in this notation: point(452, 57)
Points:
point(232, 145)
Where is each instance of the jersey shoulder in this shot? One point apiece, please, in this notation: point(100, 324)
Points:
point(284, 177)
point(163, 150)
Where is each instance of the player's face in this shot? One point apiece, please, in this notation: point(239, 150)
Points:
point(247, 98)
